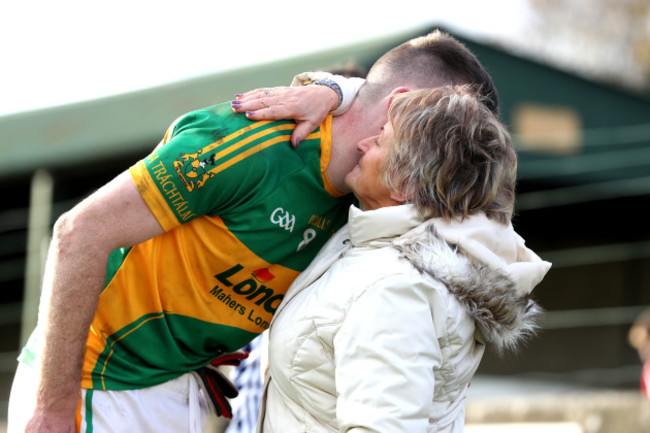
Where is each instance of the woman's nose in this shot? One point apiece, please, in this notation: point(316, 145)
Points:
point(364, 144)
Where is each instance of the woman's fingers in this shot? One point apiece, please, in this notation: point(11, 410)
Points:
point(269, 104)
point(259, 99)
point(308, 106)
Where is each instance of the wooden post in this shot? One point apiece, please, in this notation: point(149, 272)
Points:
point(38, 239)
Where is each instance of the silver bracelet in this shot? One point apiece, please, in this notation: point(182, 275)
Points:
point(332, 85)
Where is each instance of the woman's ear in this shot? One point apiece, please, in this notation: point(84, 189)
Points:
point(398, 196)
point(404, 195)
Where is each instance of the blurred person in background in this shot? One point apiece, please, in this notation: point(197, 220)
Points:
point(184, 258)
point(386, 327)
point(248, 378)
point(639, 338)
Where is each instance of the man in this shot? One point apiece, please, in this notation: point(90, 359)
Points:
point(248, 377)
point(188, 254)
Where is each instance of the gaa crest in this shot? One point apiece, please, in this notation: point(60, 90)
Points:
point(192, 170)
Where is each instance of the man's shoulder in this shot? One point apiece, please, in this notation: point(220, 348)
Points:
point(222, 117)
point(210, 117)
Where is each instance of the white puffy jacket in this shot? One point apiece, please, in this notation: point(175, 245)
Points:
point(387, 337)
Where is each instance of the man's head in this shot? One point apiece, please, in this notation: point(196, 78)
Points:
point(434, 60)
point(426, 62)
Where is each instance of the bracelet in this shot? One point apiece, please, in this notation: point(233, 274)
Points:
point(332, 85)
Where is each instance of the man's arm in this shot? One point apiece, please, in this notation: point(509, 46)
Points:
point(115, 216)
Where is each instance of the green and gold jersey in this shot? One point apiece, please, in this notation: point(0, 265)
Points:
point(244, 213)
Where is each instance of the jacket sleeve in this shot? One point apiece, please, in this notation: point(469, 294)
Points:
point(385, 354)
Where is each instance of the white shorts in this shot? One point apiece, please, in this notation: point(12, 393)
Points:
point(178, 405)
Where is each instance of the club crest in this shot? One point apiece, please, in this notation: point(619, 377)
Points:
point(194, 171)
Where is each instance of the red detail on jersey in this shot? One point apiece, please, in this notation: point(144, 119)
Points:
point(263, 274)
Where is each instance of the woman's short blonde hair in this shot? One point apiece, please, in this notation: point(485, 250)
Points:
point(450, 154)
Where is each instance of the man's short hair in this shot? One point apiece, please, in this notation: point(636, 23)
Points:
point(429, 61)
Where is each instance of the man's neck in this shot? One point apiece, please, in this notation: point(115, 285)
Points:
point(344, 154)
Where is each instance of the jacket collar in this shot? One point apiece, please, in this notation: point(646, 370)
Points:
point(381, 224)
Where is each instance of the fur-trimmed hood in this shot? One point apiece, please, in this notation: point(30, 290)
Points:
point(487, 267)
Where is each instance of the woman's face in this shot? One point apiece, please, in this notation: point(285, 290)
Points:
point(365, 178)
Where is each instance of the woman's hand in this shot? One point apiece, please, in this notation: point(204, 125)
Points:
point(307, 105)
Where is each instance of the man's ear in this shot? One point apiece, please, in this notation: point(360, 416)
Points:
point(394, 92)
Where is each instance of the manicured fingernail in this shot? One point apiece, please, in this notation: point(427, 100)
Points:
point(235, 103)
point(297, 143)
point(238, 96)
point(250, 113)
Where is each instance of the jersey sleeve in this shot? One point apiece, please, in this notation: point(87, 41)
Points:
point(199, 168)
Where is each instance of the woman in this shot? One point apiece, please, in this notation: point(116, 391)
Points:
point(385, 329)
